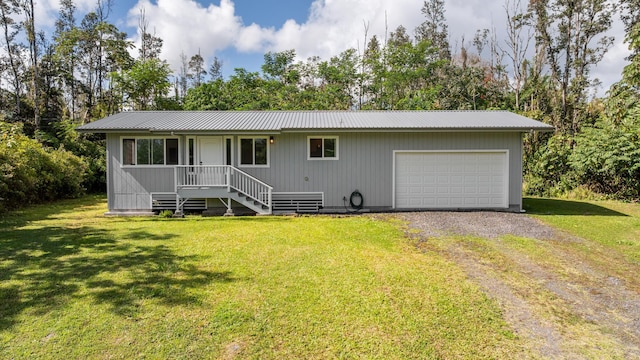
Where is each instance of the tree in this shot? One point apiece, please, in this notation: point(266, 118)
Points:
point(630, 15)
point(338, 78)
point(518, 39)
point(183, 77)
point(208, 96)
point(116, 59)
point(409, 73)
point(196, 68)
point(66, 38)
point(373, 69)
point(279, 66)
point(434, 29)
point(150, 45)
point(12, 57)
point(90, 54)
point(30, 27)
point(103, 8)
point(577, 44)
point(145, 84)
point(215, 70)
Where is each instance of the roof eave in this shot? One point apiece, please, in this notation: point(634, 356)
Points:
point(307, 130)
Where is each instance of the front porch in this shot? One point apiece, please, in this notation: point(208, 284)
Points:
point(223, 182)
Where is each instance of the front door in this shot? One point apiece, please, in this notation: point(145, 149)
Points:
point(210, 152)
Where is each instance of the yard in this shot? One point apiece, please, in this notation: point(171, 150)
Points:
point(76, 284)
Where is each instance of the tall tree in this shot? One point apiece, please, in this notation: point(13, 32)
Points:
point(279, 66)
point(434, 28)
point(90, 55)
point(183, 77)
point(630, 15)
point(103, 8)
point(66, 49)
point(518, 40)
point(338, 81)
point(12, 58)
point(373, 67)
point(196, 67)
point(623, 103)
point(30, 27)
point(572, 34)
point(215, 69)
point(150, 45)
point(145, 84)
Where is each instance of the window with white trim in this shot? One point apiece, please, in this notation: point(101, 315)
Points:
point(150, 151)
point(254, 151)
point(322, 147)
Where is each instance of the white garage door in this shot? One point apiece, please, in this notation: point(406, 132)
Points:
point(444, 180)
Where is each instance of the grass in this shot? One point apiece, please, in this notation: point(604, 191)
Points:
point(599, 241)
point(613, 225)
point(75, 284)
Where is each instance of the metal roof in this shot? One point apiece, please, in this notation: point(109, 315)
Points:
point(282, 121)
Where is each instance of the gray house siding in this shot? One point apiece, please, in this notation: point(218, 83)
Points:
point(130, 188)
point(365, 162)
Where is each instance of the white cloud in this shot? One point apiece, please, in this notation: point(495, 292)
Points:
point(253, 38)
point(185, 25)
point(331, 27)
point(47, 11)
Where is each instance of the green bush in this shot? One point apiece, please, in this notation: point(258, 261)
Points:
point(31, 173)
point(166, 214)
point(548, 172)
point(607, 160)
point(89, 147)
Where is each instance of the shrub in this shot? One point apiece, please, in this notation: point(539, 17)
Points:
point(607, 160)
point(31, 173)
point(166, 214)
point(548, 172)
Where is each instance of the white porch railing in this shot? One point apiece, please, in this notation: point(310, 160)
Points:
point(220, 176)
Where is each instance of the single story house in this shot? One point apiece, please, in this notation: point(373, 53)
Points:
point(272, 161)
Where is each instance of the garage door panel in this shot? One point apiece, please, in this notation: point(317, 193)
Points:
point(451, 179)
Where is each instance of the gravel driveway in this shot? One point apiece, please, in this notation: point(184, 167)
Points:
point(606, 305)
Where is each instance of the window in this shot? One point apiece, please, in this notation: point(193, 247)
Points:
point(128, 151)
point(191, 151)
point(325, 147)
point(150, 151)
point(227, 145)
point(254, 151)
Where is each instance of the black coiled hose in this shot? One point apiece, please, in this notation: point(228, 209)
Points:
point(356, 200)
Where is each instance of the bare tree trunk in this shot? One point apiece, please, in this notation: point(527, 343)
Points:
point(33, 52)
point(9, 36)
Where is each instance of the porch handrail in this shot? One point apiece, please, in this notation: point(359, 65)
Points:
point(224, 176)
point(253, 188)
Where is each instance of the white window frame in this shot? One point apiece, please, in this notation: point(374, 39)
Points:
point(239, 152)
point(135, 150)
point(323, 137)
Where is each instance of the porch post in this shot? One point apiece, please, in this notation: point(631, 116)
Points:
point(229, 209)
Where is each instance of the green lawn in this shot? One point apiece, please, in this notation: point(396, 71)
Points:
point(75, 284)
point(611, 224)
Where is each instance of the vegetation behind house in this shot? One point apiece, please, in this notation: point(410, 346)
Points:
point(84, 72)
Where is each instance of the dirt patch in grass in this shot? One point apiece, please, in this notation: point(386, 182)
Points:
point(565, 304)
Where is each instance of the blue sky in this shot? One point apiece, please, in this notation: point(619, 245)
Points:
point(266, 13)
point(240, 32)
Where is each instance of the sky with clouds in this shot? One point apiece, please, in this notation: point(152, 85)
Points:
point(239, 32)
